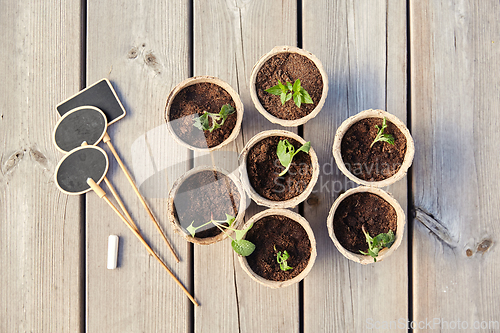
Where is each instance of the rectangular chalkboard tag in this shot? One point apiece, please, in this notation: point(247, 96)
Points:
point(101, 95)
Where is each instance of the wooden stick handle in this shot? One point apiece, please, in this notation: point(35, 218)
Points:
point(107, 140)
point(122, 206)
point(100, 192)
point(120, 203)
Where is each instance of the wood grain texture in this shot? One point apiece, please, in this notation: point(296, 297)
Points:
point(142, 47)
point(455, 101)
point(364, 53)
point(229, 38)
point(40, 228)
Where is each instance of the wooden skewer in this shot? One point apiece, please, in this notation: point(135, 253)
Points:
point(100, 192)
point(107, 140)
point(122, 206)
point(120, 203)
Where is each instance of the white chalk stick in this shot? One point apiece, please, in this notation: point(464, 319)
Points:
point(112, 251)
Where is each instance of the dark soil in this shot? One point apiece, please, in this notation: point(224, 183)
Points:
point(286, 235)
point(288, 67)
point(195, 100)
point(381, 161)
point(359, 209)
point(203, 194)
point(263, 167)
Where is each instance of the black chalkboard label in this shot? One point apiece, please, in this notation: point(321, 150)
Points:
point(101, 95)
point(80, 164)
point(86, 123)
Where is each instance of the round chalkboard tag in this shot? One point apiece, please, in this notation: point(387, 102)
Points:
point(82, 124)
point(80, 164)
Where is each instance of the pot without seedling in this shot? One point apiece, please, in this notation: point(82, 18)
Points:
point(203, 113)
point(373, 148)
point(285, 248)
point(288, 86)
point(205, 194)
point(366, 210)
point(266, 176)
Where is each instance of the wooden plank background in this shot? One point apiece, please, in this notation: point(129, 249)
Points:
point(364, 54)
point(40, 228)
point(455, 120)
point(143, 49)
point(240, 35)
point(53, 252)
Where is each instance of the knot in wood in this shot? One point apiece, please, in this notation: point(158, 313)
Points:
point(132, 54)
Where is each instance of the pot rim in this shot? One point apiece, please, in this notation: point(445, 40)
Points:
point(371, 113)
point(253, 92)
point(297, 218)
point(385, 252)
point(210, 79)
point(207, 240)
point(260, 200)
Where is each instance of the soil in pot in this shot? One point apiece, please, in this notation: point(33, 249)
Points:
point(263, 168)
point(203, 196)
point(288, 67)
point(359, 209)
point(379, 162)
point(286, 235)
point(193, 101)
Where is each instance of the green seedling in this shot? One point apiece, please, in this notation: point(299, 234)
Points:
point(281, 258)
point(202, 122)
point(239, 245)
point(377, 243)
point(381, 136)
point(286, 151)
point(287, 91)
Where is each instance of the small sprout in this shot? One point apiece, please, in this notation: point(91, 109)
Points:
point(286, 152)
point(239, 245)
point(377, 243)
point(281, 259)
point(381, 136)
point(203, 123)
point(287, 91)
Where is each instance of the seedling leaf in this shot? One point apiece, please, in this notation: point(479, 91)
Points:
point(229, 219)
point(286, 152)
point(226, 110)
point(306, 98)
point(276, 90)
point(203, 123)
point(283, 98)
point(296, 86)
point(243, 247)
point(191, 229)
point(381, 136)
point(240, 233)
point(297, 99)
point(282, 258)
point(305, 148)
point(287, 91)
point(377, 243)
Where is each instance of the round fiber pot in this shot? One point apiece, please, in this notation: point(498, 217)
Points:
point(209, 92)
point(297, 218)
point(403, 167)
point(197, 185)
point(385, 252)
point(290, 183)
point(255, 95)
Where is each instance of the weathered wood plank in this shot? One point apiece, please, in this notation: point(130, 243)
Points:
point(229, 38)
point(142, 47)
point(364, 54)
point(455, 55)
point(40, 228)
